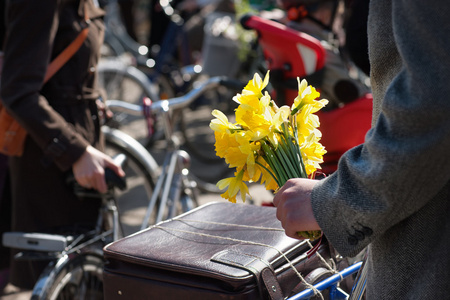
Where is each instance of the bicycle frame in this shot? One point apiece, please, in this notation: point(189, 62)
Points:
point(91, 243)
point(83, 245)
point(131, 145)
point(331, 284)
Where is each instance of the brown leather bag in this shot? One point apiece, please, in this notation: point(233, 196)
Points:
point(12, 134)
point(217, 251)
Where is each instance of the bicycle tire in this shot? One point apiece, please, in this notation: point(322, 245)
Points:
point(130, 84)
point(79, 277)
point(124, 82)
point(141, 170)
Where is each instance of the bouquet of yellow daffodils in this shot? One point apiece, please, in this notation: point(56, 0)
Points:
point(269, 144)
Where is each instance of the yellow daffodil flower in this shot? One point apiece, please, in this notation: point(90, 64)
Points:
point(234, 185)
point(269, 144)
point(221, 124)
point(253, 88)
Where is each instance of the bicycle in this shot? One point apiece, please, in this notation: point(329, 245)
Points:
point(141, 170)
point(172, 77)
point(168, 77)
point(76, 261)
point(125, 80)
point(330, 284)
point(175, 188)
point(74, 253)
point(191, 122)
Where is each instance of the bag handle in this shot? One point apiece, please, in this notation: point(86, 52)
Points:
point(73, 47)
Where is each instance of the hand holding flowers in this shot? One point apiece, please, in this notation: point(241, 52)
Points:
point(269, 144)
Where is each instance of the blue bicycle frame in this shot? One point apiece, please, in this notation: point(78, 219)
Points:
point(331, 284)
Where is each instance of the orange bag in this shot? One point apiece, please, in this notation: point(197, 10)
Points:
point(12, 135)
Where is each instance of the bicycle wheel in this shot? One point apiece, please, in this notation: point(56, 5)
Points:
point(127, 83)
point(124, 82)
point(141, 170)
point(80, 277)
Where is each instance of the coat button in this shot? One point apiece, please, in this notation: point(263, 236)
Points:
point(352, 240)
point(367, 231)
point(359, 235)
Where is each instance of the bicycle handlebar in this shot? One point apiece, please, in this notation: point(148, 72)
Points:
point(177, 102)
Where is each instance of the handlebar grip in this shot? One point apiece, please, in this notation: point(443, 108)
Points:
point(244, 19)
point(113, 180)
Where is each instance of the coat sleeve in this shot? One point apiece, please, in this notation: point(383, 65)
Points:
point(31, 29)
point(404, 161)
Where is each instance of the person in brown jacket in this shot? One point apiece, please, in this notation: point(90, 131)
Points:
point(61, 118)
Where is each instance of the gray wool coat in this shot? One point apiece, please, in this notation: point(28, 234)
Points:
point(393, 192)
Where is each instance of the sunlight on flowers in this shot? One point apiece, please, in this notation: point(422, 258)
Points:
point(234, 185)
point(253, 90)
point(269, 144)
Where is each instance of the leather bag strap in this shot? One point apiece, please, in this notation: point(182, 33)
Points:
point(73, 47)
point(262, 270)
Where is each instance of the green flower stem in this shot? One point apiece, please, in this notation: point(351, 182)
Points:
point(295, 151)
point(270, 162)
point(289, 152)
point(296, 109)
point(270, 172)
point(301, 165)
point(274, 163)
point(283, 176)
point(286, 163)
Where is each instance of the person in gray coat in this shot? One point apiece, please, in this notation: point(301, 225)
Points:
point(392, 193)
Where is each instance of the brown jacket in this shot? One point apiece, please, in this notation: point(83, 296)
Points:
point(60, 117)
